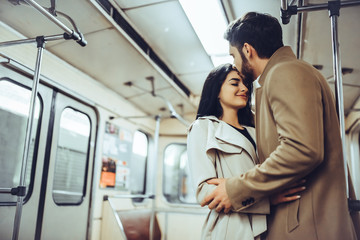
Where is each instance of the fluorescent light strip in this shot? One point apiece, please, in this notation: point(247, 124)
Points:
point(209, 22)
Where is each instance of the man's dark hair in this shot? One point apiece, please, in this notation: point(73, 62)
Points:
point(209, 102)
point(262, 31)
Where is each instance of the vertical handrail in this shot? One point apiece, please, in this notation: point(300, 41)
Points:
point(19, 203)
point(41, 40)
point(21, 189)
point(300, 24)
point(334, 12)
point(284, 5)
point(334, 7)
point(153, 204)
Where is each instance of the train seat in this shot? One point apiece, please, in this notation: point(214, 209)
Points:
point(136, 224)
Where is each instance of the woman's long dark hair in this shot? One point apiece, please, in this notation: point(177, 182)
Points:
point(209, 101)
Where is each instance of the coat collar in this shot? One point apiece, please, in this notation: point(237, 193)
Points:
point(281, 54)
point(229, 140)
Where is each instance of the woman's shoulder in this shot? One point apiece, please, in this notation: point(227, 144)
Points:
point(203, 122)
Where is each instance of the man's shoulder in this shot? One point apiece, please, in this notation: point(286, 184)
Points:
point(284, 59)
point(293, 68)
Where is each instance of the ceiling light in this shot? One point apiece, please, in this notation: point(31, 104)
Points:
point(209, 22)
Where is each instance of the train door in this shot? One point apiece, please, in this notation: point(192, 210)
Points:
point(60, 161)
point(68, 182)
point(14, 98)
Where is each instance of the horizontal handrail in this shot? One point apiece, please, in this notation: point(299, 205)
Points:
point(71, 34)
point(288, 10)
point(5, 190)
point(31, 40)
point(130, 196)
point(18, 191)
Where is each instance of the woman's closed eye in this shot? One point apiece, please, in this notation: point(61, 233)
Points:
point(234, 82)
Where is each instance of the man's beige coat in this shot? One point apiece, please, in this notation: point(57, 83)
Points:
point(298, 136)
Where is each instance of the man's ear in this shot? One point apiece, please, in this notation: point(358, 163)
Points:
point(248, 50)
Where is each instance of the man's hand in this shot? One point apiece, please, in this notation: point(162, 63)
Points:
point(219, 198)
point(288, 195)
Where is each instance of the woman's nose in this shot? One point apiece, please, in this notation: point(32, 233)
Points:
point(243, 88)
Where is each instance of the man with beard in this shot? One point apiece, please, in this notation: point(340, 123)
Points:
point(297, 134)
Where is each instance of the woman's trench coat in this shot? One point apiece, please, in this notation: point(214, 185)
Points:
point(217, 150)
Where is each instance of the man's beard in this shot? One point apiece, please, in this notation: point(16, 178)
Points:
point(246, 70)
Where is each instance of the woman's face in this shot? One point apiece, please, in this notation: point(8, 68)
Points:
point(233, 93)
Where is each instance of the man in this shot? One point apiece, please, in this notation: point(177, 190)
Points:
point(298, 136)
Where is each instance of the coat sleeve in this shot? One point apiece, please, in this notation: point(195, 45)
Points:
point(295, 99)
point(201, 159)
point(200, 162)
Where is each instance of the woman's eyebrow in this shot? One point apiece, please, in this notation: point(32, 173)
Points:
point(235, 79)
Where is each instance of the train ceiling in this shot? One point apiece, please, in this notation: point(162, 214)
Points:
point(141, 47)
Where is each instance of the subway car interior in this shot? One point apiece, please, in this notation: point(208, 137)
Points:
point(96, 97)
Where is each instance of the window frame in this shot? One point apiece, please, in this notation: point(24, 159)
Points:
point(180, 201)
point(86, 169)
point(36, 145)
point(140, 201)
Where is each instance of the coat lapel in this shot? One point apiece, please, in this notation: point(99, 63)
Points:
point(258, 95)
point(231, 141)
point(279, 55)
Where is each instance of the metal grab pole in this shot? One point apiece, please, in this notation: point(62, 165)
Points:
point(334, 7)
point(78, 37)
point(21, 190)
point(31, 40)
point(19, 203)
point(287, 10)
point(5, 190)
point(49, 16)
point(156, 146)
point(325, 6)
point(284, 5)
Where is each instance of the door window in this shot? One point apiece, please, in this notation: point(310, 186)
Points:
point(71, 157)
point(177, 186)
point(138, 164)
point(14, 113)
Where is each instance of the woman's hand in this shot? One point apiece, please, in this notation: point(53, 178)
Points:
point(289, 194)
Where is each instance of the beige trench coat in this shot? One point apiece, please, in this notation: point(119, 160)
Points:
point(207, 137)
point(297, 137)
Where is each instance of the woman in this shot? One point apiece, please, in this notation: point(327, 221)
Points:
point(221, 144)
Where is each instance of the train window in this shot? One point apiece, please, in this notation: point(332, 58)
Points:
point(14, 112)
point(177, 187)
point(71, 157)
point(138, 164)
